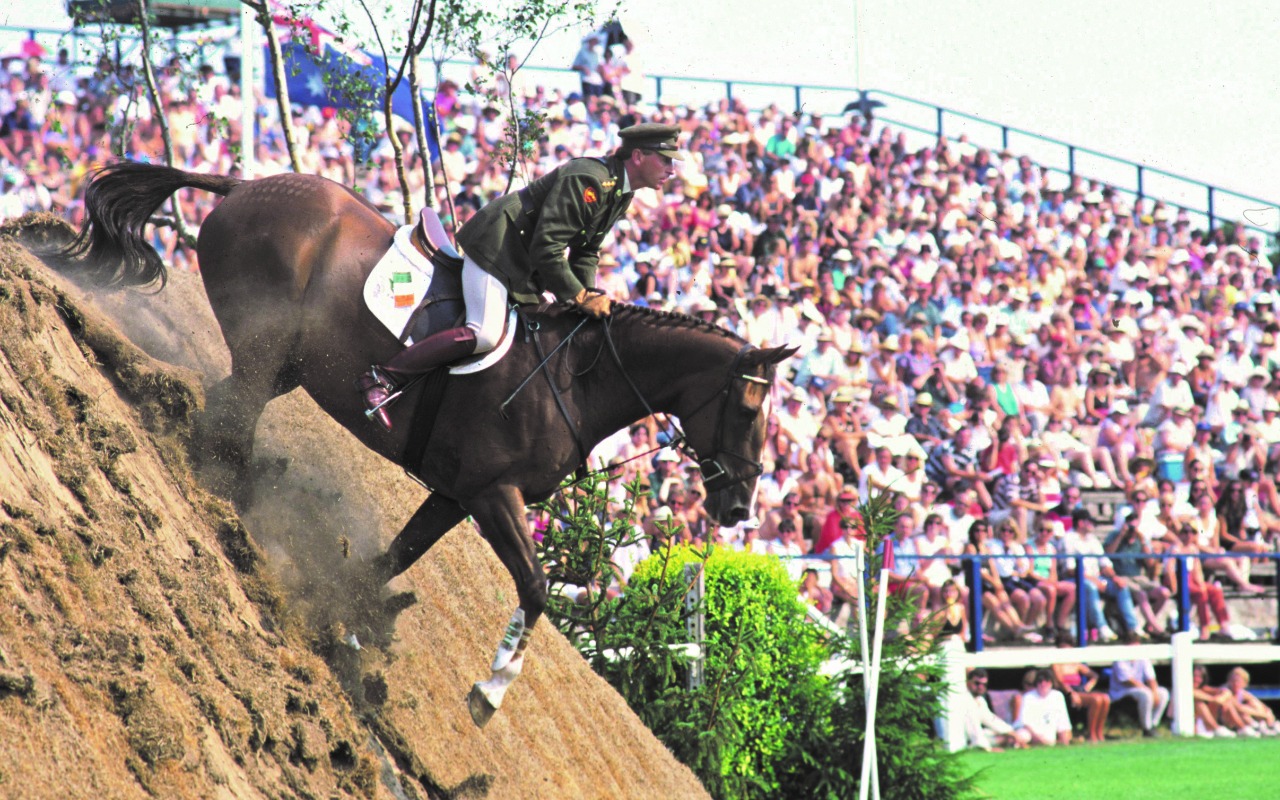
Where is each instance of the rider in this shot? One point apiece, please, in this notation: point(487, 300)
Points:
point(515, 247)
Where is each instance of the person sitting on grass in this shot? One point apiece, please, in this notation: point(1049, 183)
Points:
point(1042, 712)
point(1217, 714)
point(1258, 718)
point(982, 727)
point(1076, 681)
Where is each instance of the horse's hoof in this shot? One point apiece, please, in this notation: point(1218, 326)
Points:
point(481, 709)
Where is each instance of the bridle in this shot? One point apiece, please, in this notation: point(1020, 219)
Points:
point(715, 477)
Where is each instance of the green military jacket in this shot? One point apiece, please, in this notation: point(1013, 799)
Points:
point(522, 238)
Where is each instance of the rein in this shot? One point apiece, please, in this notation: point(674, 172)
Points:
point(714, 475)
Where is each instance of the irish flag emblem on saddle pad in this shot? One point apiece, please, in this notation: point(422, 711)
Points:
point(402, 290)
point(398, 282)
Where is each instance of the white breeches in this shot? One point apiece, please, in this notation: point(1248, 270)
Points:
point(486, 300)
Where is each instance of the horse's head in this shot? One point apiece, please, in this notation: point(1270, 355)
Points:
point(727, 431)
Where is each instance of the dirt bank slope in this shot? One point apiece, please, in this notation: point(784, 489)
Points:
point(156, 644)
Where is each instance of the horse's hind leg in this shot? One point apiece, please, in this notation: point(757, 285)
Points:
point(500, 514)
point(232, 409)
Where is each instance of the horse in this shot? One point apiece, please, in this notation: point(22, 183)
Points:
point(284, 259)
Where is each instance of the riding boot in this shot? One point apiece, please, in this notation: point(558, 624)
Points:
point(377, 392)
point(381, 383)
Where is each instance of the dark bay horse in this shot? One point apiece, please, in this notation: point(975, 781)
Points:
point(284, 260)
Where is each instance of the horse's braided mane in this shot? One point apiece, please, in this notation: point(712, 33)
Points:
point(665, 319)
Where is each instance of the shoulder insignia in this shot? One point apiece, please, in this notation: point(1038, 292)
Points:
point(589, 194)
point(607, 184)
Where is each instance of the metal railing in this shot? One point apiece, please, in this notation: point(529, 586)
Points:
point(972, 566)
point(1207, 204)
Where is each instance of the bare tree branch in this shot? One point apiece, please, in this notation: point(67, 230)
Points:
point(162, 118)
point(283, 106)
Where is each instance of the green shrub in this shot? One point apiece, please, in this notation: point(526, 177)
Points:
point(764, 722)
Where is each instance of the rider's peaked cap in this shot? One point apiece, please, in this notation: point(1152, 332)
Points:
point(652, 136)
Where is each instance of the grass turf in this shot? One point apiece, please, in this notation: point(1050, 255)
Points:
point(1149, 769)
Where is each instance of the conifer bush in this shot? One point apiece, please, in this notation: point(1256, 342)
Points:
point(765, 722)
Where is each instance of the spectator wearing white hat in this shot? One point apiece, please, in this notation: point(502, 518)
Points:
point(1174, 436)
point(1221, 405)
point(796, 418)
point(1188, 338)
point(1255, 392)
point(1269, 427)
point(821, 367)
point(1172, 392)
point(1235, 364)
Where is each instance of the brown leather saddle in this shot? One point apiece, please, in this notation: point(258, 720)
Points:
point(442, 306)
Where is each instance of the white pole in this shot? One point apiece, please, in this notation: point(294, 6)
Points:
point(1184, 721)
point(861, 569)
point(953, 655)
point(248, 97)
point(870, 769)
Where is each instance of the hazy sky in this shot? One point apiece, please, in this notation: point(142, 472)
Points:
point(1190, 87)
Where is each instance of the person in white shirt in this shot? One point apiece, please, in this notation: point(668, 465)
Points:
point(790, 547)
point(935, 572)
point(1043, 712)
point(1137, 679)
point(587, 65)
point(982, 727)
point(1172, 392)
point(1033, 399)
point(1235, 364)
point(751, 541)
point(880, 475)
point(796, 419)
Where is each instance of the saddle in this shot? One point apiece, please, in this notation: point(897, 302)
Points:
point(442, 306)
point(416, 289)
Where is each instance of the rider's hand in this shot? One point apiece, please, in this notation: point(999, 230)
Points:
point(594, 303)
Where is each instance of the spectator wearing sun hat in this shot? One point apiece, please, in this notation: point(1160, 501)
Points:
point(821, 367)
point(1171, 392)
point(1235, 364)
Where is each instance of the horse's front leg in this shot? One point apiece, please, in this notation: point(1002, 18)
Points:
point(500, 515)
point(429, 523)
point(374, 608)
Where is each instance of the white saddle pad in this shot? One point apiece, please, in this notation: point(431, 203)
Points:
point(397, 285)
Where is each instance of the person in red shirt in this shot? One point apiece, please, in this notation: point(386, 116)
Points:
point(846, 510)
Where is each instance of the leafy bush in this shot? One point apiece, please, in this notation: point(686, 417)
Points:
point(764, 722)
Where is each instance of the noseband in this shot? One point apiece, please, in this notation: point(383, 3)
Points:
point(715, 477)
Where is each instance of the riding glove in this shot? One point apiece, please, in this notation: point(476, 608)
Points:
point(594, 303)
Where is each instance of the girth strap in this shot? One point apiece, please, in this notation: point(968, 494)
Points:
point(423, 422)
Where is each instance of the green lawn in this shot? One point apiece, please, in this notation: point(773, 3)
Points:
point(1155, 769)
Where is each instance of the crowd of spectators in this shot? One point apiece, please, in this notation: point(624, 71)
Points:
point(1049, 704)
point(980, 338)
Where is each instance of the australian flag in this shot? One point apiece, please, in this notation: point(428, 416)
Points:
point(324, 72)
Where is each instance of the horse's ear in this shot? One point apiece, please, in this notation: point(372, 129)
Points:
point(770, 356)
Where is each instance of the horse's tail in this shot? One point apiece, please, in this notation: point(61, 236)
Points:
point(111, 249)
